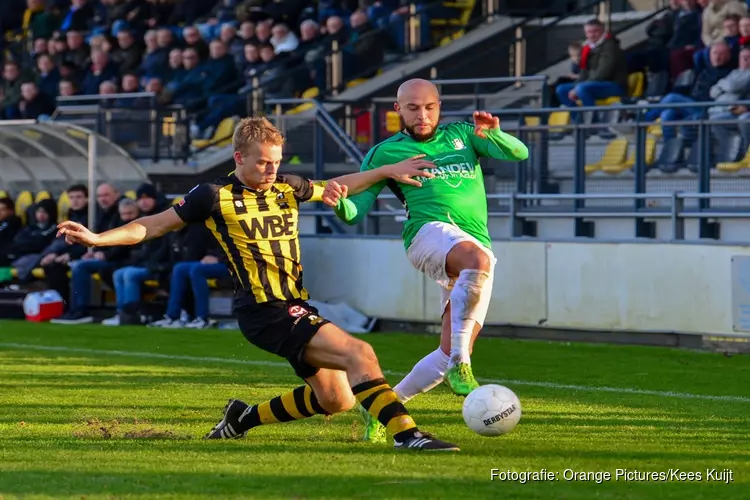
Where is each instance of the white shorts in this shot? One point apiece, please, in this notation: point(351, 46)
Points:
point(429, 249)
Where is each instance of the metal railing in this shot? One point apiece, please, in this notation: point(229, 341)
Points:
point(524, 208)
point(135, 121)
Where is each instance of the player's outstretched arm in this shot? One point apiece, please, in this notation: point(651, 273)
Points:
point(131, 233)
point(404, 172)
point(490, 141)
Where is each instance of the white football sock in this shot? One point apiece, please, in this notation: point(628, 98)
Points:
point(466, 302)
point(425, 375)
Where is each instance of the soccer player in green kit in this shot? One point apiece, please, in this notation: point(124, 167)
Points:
point(445, 235)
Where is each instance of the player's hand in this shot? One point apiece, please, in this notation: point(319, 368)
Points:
point(405, 171)
point(334, 192)
point(484, 121)
point(76, 233)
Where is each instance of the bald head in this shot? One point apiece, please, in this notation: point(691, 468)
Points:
point(415, 88)
point(106, 195)
point(418, 106)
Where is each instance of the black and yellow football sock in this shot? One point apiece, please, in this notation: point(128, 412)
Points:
point(377, 397)
point(295, 405)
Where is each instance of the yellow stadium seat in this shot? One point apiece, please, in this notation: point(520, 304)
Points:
point(630, 162)
point(355, 82)
point(3, 194)
point(559, 118)
point(130, 194)
point(636, 84)
point(311, 93)
point(42, 195)
point(735, 166)
point(168, 126)
point(222, 135)
point(23, 202)
point(392, 122)
point(63, 205)
point(655, 129)
point(609, 101)
point(614, 154)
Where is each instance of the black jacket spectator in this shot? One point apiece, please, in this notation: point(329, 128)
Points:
point(34, 103)
point(687, 29)
point(35, 237)
point(79, 17)
point(10, 225)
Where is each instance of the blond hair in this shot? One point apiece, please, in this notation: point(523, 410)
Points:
point(255, 129)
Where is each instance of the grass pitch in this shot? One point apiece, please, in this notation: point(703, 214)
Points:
point(114, 413)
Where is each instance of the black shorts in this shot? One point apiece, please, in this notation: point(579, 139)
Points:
point(282, 328)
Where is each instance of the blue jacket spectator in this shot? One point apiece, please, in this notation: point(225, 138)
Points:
point(79, 17)
point(189, 85)
point(219, 70)
point(101, 70)
point(48, 75)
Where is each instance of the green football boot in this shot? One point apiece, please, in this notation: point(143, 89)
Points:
point(374, 430)
point(460, 379)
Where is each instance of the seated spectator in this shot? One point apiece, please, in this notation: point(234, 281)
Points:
point(653, 58)
point(67, 88)
point(247, 32)
point(731, 38)
point(102, 70)
point(219, 70)
point(154, 58)
point(282, 39)
point(730, 89)
point(114, 210)
point(235, 45)
point(77, 52)
point(10, 90)
point(366, 46)
point(719, 67)
point(165, 39)
point(128, 54)
point(574, 54)
point(197, 257)
point(712, 19)
point(175, 70)
point(149, 200)
point(35, 104)
point(263, 32)
point(57, 257)
point(79, 17)
point(604, 71)
point(25, 251)
point(38, 22)
point(107, 88)
point(745, 32)
point(146, 261)
point(193, 40)
point(252, 63)
point(223, 12)
point(10, 224)
point(189, 86)
point(40, 48)
point(48, 76)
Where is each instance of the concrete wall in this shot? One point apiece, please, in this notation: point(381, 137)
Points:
point(597, 286)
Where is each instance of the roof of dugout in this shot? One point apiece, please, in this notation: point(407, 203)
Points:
point(51, 156)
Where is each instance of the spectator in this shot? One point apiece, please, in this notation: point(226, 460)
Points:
point(745, 32)
point(101, 70)
point(57, 48)
point(79, 17)
point(128, 54)
point(189, 87)
point(146, 261)
point(252, 62)
point(175, 71)
point(220, 71)
point(149, 200)
point(272, 74)
point(654, 57)
point(165, 39)
point(155, 58)
point(731, 38)
point(235, 45)
point(263, 31)
point(197, 258)
point(193, 40)
point(130, 83)
point(604, 71)
point(247, 32)
point(38, 22)
point(686, 38)
point(113, 11)
point(25, 251)
point(574, 54)
point(10, 224)
point(283, 40)
point(160, 13)
point(366, 47)
point(40, 48)
point(48, 75)
point(114, 211)
point(10, 90)
point(57, 257)
point(35, 104)
point(67, 88)
point(712, 19)
point(222, 12)
point(719, 67)
point(730, 89)
point(77, 52)
point(107, 88)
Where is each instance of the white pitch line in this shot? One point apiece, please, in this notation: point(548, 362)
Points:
point(248, 362)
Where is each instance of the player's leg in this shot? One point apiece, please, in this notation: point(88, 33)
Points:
point(327, 392)
point(472, 266)
point(333, 348)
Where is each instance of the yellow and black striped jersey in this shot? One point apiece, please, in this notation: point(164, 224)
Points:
point(258, 232)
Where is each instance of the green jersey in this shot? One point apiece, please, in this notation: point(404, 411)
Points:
point(456, 194)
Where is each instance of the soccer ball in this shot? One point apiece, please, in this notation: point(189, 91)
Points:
point(492, 410)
